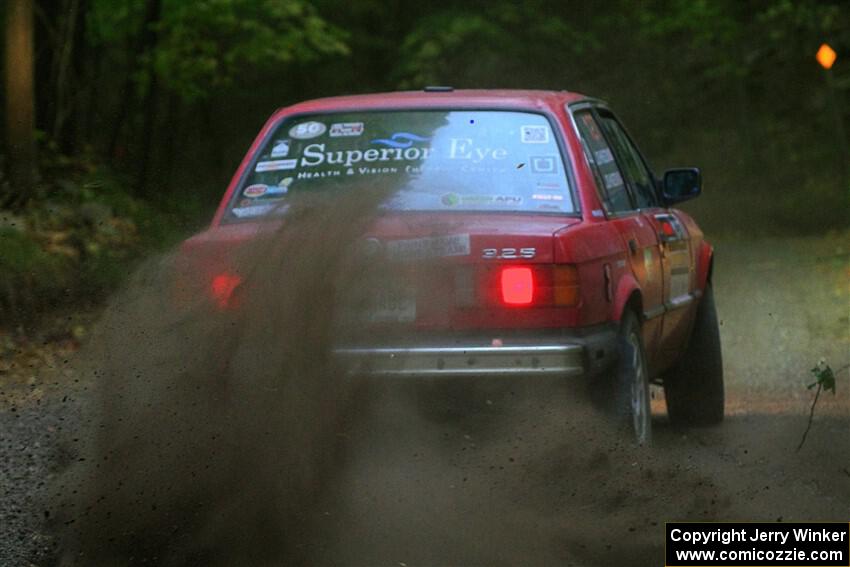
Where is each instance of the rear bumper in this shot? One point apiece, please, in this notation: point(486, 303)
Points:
point(554, 354)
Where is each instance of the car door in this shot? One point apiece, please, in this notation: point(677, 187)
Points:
point(639, 236)
point(674, 248)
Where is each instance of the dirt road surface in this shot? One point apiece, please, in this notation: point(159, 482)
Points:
point(528, 473)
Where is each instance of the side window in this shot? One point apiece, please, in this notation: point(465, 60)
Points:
point(638, 175)
point(609, 180)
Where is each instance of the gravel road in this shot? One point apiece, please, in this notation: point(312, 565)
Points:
point(534, 476)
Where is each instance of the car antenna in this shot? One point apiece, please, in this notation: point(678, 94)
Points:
point(438, 89)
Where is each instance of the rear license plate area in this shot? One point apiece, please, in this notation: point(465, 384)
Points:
point(390, 304)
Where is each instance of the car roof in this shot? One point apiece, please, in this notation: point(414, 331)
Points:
point(471, 98)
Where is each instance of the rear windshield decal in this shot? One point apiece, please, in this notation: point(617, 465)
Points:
point(341, 129)
point(276, 165)
point(280, 148)
point(427, 160)
point(307, 130)
point(400, 140)
point(535, 134)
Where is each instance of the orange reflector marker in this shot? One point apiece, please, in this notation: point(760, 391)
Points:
point(565, 286)
point(826, 56)
point(222, 288)
point(517, 286)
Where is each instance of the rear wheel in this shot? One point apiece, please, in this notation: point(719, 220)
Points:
point(694, 386)
point(632, 380)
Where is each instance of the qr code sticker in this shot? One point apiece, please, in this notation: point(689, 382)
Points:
point(534, 134)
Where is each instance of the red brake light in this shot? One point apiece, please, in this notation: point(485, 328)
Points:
point(222, 288)
point(517, 286)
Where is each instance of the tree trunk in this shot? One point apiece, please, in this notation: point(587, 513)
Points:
point(150, 104)
point(64, 78)
point(172, 120)
point(20, 103)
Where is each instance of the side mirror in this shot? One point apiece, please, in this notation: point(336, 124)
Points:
point(681, 184)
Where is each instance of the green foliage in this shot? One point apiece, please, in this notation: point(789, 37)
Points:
point(446, 41)
point(825, 381)
point(113, 22)
point(79, 239)
point(485, 45)
point(21, 257)
point(206, 44)
point(29, 276)
point(825, 378)
point(727, 85)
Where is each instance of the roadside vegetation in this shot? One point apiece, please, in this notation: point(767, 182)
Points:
point(75, 240)
point(123, 121)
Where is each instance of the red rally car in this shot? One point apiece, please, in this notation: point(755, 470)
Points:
point(552, 244)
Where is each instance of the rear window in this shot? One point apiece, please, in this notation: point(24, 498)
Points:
point(445, 160)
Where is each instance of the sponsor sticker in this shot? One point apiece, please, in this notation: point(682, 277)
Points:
point(278, 191)
point(400, 149)
point(307, 130)
point(450, 199)
point(280, 148)
point(613, 179)
point(543, 164)
point(549, 186)
point(430, 247)
point(507, 200)
point(477, 199)
point(603, 156)
point(534, 134)
point(399, 140)
point(254, 191)
point(341, 129)
point(252, 211)
point(547, 197)
point(276, 165)
point(256, 209)
point(453, 199)
point(282, 188)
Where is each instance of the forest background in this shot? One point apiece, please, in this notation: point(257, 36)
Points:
point(123, 120)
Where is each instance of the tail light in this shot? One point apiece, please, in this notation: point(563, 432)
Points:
point(517, 285)
point(565, 286)
point(513, 285)
point(222, 288)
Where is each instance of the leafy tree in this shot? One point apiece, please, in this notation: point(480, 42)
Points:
point(206, 45)
point(194, 52)
point(492, 44)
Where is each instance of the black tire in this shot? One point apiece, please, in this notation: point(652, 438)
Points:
point(631, 380)
point(694, 386)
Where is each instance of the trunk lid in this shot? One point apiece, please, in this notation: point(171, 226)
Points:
point(441, 271)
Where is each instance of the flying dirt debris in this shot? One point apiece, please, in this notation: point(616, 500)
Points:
point(227, 436)
point(212, 429)
point(207, 445)
point(219, 436)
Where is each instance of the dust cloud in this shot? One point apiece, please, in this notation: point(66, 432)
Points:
point(229, 437)
point(211, 430)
